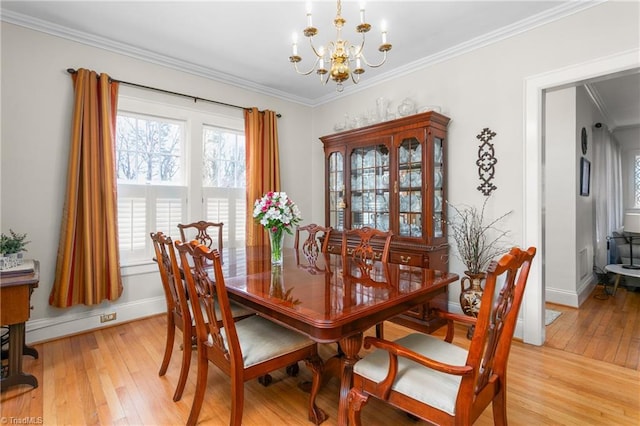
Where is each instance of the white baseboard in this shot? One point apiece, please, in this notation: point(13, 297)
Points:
point(561, 297)
point(41, 330)
point(571, 298)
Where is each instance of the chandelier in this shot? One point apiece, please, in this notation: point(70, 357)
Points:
point(340, 54)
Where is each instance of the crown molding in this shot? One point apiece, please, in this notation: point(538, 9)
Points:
point(556, 13)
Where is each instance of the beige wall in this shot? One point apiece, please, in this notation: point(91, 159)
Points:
point(482, 88)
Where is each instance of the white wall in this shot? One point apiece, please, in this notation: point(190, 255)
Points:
point(37, 100)
point(481, 88)
point(560, 171)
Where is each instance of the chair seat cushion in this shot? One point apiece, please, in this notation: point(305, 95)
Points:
point(237, 311)
point(262, 340)
point(423, 384)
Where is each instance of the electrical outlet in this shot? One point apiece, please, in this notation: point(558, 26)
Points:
point(108, 317)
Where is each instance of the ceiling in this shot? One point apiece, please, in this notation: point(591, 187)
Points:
point(248, 43)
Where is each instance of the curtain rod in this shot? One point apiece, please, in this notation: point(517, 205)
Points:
point(195, 98)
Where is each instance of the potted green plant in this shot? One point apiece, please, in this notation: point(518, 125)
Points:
point(12, 247)
point(477, 243)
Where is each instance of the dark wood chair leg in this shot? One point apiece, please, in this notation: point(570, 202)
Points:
point(356, 402)
point(184, 367)
point(201, 387)
point(171, 332)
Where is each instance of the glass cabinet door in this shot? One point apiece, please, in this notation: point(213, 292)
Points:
point(336, 191)
point(410, 186)
point(370, 187)
point(438, 188)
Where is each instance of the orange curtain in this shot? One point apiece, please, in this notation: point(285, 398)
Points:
point(263, 165)
point(88, 265)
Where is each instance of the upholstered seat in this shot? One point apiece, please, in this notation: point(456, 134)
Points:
point(414, 380)
point(262, 340)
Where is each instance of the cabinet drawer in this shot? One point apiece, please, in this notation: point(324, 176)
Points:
point(406, 258)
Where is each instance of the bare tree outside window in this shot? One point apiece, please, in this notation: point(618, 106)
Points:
point(223, 159)
point(147, 149)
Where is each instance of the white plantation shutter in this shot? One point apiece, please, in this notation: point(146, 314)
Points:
point(169, 213)
point(241, 214)
point(143, 209)
point(132, 231)
point(217, 210)
point(227, 205)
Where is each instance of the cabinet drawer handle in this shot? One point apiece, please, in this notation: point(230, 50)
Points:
point(405, 259)
point(330, 249)
point(349, 251)
point(377, 256)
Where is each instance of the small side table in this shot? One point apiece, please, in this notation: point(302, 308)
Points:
point(15, 308)
point(620, 271)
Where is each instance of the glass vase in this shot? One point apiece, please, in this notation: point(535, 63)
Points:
point(276, 240)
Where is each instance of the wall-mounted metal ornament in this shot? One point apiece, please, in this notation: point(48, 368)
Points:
point(486, 162)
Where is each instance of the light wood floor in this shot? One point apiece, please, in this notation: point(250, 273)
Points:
point(605, 327)
point(110, 377)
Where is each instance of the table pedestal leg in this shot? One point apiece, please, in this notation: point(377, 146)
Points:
point(351, 346)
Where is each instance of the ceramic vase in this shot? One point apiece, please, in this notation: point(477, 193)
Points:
point(276, 241)
point(471, 296)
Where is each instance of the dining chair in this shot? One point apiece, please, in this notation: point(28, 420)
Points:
point(361, 250)
point(315, 243)
point(442, 383)
point(363, 254)
point(245, 349)
point(179, 314)
point(200, 231)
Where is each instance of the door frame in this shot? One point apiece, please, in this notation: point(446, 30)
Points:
point(533, 327)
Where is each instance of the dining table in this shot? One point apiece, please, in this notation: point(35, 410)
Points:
point(331, 300)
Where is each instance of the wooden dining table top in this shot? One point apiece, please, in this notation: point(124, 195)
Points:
point(325, 301)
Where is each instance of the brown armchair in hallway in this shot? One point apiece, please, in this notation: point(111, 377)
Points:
point(440, 382)
point(244, 350)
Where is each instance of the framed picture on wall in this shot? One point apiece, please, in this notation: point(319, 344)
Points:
point(585, 176)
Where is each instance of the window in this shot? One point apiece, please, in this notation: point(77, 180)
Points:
point(151, 180)
point(176, 165)
point(224, 181)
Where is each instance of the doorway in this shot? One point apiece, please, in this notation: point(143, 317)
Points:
point(533, 328)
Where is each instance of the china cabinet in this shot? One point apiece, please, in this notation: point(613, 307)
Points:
point(392, 176)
